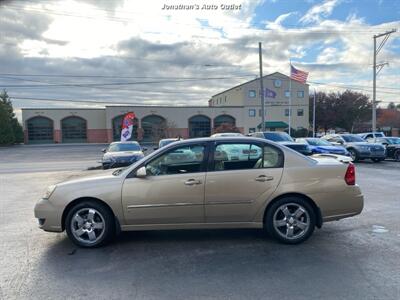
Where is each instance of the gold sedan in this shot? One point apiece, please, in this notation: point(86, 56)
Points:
point(233, 182)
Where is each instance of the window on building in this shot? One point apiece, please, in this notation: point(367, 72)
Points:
point(252, 112)
point(287, 94)
point(287, 112)
point(300, 112)
point(225, 99)
point(300, 94)
point(277, 83)
point(252, 93)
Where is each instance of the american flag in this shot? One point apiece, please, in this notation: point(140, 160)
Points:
point(298, 74)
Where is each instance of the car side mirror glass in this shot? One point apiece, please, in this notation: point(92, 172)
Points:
point(141, 172)
point(104, 150)
point(144, 148)
point(340, 142)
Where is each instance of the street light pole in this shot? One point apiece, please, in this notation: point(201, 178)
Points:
point(262, 89)
point(375, 72)
point(313, 128)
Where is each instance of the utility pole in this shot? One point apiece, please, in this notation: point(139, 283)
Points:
point(262, 89)
point(376, 69)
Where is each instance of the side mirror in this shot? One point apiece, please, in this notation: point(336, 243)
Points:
point(155, 148)
point(144, 148)
point(141, 172)
point(340, 142)
point(104, 150)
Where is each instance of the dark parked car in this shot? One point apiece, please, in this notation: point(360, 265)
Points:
point(121, 154)
point(320, 146)
point(358, 148)
point(284, 139)
point(392, 145)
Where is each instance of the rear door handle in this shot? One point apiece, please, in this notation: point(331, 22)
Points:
point(192, 182)
point(263, 178)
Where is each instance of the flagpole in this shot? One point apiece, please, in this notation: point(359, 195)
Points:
point(290, 95)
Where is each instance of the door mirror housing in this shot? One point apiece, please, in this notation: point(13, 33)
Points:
point(141, 172)
point(144, 149)
point(104, 150)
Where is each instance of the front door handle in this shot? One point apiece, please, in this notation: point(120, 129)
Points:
point(263, 178)
point(192, 182)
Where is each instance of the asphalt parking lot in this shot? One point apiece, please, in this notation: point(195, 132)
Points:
point(356, 258)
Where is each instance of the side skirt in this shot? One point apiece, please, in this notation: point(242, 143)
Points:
point(192, 226)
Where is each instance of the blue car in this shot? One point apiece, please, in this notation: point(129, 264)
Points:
point(319, 146)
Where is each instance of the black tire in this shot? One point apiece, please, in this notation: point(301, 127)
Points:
point(354, 155)
point(396, 155)
point(102, 215)
point(292, 202)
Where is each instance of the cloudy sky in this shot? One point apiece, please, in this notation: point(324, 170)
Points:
point(126, 51)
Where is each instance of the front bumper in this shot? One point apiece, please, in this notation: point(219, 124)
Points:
point(48, 216)
point(365, 155)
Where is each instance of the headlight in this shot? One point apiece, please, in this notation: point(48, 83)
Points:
point(49, 191)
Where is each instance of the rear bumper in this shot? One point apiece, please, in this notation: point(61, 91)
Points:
point(48, 218)
point(348, 203)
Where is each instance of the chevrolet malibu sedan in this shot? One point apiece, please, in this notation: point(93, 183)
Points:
point(266, 186)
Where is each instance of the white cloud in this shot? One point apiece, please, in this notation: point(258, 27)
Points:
point(315, 13)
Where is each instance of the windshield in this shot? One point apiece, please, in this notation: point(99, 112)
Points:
point(278, 137)
point(318, 142)
point(124, 147)
point(352, 138)
point(395, 141)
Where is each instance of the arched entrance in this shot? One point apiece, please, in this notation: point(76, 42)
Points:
point(40, 130)
point(117, 127)
point(154, 128)
point(73, 130)
point(224, 119)
point(199, 126)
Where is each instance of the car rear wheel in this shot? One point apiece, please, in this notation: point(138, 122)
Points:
point(353, 155)
point(90, 224)
point(290, 220)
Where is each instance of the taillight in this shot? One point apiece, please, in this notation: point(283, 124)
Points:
point(350, 176)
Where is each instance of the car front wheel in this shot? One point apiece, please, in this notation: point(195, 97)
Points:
point(290, 220)
point(90, 224)
point(397, 155)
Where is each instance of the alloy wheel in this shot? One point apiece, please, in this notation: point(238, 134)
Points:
point(291, 221)
point(88, 225)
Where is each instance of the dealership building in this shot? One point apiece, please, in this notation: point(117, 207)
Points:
point(239, 106)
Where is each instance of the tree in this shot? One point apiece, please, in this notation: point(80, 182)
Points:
point(341, 110)
point(6, 133)
point(388, 118)
point(16, 128)
point(391, 105)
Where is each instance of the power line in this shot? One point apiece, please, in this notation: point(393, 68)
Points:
point(117, 83)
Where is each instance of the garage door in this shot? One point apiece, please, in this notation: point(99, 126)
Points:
point(73, 130)
point(40, 130)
